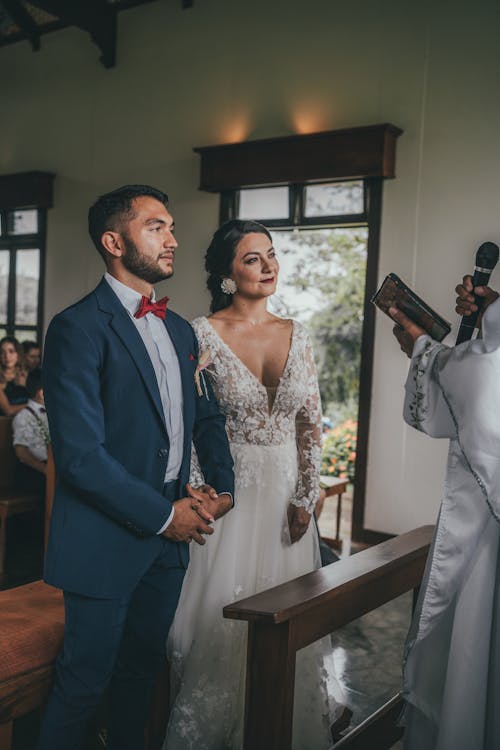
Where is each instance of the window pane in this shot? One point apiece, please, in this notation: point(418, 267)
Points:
point(22, 222)
point(25, 335)
point(4, 283)
point(264, 203)
point(3, 332)
point(335, 199)
point(27, 276)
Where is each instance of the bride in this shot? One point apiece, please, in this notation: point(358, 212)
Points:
point(262, 371)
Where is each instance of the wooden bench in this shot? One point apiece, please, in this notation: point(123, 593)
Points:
point(12, 501)
point(31, 633)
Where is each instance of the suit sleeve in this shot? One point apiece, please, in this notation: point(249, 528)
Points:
point(210, 439)
point(71, 377)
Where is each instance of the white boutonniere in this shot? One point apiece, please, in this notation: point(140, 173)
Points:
point(204, 361)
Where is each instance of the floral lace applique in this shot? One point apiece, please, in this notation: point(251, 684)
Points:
point(295, 415)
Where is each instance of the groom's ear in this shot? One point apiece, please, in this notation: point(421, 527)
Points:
point(112, 243)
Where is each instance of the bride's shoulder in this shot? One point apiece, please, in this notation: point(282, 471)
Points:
point(301, 336)
point(291, 325)
point(199, 326)
point(198, 323)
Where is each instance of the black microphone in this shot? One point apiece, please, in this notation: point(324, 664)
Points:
point(486, 260)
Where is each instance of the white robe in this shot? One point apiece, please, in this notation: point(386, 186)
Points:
point(452, 655)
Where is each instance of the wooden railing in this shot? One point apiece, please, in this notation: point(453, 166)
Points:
point(287, 618)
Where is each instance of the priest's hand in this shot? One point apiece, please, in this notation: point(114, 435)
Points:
point(465, 300)
point(207, 498)
point(406, 331)
point(189, 523)
point(298, 522)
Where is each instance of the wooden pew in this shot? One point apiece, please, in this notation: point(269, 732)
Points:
point(286, 618)
point(12, 501)
point(31, 632)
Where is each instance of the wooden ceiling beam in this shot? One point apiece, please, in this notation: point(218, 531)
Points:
point(22, 18)
point(96, 17)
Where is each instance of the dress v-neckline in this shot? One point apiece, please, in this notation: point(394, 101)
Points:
point(247, 369)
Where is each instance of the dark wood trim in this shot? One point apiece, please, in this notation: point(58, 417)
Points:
point(270, 645)
point(374, 208)
point(228, 205)
point(361, 582)
point(27, 190)
point(13, 243)
point(22, 18)
point(42, 234)
point(351, 153)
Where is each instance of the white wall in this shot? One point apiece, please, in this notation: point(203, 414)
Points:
point(229, 70)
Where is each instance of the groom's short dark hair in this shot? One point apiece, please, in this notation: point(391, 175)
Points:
point(111, 210)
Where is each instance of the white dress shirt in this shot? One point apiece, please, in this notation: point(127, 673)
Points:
point(30, 428)
point(165, 363)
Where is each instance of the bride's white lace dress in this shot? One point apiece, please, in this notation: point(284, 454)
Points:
point(275, 442)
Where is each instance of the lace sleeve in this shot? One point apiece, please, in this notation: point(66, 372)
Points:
point(308, 435)
point(196, 478)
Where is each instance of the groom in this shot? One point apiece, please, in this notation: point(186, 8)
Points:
point(123, 409)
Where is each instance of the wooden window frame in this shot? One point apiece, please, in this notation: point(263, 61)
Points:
point(28, 190)
point(365, 153)
point(229, 209)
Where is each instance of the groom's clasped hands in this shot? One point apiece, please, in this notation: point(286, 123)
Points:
point(195, 513)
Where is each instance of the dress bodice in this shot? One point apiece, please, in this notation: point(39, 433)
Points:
point(256, 416)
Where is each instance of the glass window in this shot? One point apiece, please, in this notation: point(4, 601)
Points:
point(334, 199)
point(25, 334)
point(4, 283)
point(264, 203)
point(27, 278)
point(22, 221)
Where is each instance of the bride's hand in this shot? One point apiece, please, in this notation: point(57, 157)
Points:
point(206, 497)
point(298, 522)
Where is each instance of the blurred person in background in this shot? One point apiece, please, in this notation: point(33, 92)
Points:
point(32, 355)
point(13, 393)
point(31, 437)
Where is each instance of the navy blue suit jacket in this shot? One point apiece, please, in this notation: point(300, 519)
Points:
point(111, 445)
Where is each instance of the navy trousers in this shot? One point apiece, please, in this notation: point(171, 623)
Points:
point(118, 643)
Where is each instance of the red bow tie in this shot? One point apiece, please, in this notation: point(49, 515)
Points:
point(157, 308)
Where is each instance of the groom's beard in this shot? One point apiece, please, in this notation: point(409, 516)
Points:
point(140, 265)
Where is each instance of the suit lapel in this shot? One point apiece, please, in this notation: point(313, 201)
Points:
point(129, 336)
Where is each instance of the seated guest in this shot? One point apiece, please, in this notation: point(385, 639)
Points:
point(31, 436)
point(13, 393)
point(32, 355)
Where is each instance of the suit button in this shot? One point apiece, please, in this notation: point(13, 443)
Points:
point(163, 453)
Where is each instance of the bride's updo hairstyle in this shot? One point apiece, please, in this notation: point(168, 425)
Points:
point(220, 255)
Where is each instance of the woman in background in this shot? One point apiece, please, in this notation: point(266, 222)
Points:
point(13, 393)
point(262, 370)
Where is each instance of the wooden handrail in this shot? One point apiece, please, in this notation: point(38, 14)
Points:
point(286, 618)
